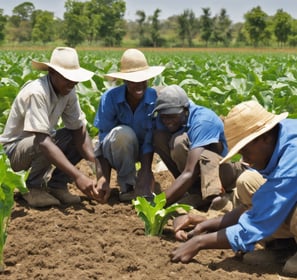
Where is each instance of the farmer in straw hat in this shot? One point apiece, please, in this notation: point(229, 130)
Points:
point(125, 128)
point(268, 211)
point(30, 138)
point(190, 140)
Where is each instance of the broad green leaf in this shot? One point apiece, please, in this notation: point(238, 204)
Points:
point(154, 215)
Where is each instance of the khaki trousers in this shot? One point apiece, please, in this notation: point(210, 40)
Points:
point(246, 185)
point(25, 154)
point(215, 179)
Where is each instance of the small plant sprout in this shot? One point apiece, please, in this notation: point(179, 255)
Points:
point(154, 215)
point(9, 181)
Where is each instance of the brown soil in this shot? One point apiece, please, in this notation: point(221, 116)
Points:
point(95, 241)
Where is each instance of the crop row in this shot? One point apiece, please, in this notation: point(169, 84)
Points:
point(215, 80)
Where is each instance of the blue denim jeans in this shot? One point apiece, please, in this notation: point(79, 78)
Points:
point(120, 148)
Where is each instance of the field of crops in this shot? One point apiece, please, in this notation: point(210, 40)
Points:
point(93, 241)
point(214, 79)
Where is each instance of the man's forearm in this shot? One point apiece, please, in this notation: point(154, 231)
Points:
point(83, 143)
point(57, 158)
point(146, 161)
point(103, 168)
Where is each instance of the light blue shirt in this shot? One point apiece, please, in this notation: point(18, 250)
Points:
point(114, 110)
point(203, 127)
point(275, 199)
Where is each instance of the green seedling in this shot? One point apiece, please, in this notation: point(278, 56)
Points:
point(9, 181)
point(154, 215)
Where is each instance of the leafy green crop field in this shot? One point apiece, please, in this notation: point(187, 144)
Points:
point(213, 78)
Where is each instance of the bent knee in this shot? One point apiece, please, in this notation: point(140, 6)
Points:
point(247, 184)
point(124, 133)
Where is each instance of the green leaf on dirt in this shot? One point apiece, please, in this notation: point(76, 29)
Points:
point(154, 215)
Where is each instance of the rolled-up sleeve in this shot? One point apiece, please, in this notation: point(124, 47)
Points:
point(272, 203)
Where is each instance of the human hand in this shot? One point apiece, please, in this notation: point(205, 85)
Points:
point(103, 189)
point(145, 183)
point(179, 223)
point(181, 235)
point(199, 228)
point(88, 187)
point(187, 221)
point(186, 252)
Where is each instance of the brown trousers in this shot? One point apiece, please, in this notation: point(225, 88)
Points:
point(214, 178)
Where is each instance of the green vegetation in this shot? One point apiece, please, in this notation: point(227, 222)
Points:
point(9, 181)
point(217, 80)
point(154, 215)
point(102, 23)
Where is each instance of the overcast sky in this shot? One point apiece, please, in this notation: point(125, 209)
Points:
point(235, 8)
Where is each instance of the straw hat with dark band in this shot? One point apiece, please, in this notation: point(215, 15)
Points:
point(245, 122)
point(65, 61)
point(134, 67)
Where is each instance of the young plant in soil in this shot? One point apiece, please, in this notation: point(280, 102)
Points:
point(9, 181)
point(154, 215)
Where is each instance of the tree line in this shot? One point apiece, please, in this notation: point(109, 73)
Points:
point(102, 22)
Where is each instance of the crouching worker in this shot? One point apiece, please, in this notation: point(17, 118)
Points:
point(268, 211)
point(125, 129)
point(32, 141)
point(190, 140)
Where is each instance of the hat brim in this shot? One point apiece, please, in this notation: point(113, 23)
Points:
point(171, 111)
point(137, 76)
point(243, 142)
point(162, 109)
point(74, 75)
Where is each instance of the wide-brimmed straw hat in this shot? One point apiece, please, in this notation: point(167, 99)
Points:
point(134, 67)
point(245, 122)
point(65, 61)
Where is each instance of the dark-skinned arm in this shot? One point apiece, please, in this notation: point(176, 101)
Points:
point(202, 224)
point(145, 179)
point(54, 154)
point(187, 251)
point(103, 173)
point(218, 223)
point(83, 143)
point(185, 180)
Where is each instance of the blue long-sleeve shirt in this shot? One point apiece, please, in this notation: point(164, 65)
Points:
point(114, 110)
point(274, 200)
point(203, 127)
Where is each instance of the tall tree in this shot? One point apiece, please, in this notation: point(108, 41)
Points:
point(3, 21)
point(293, 34)
point(206, 25)
point(182, 27)
point(19, 26)
point(114, 30)
point(95, 20)
point(109, 25)
point(282, 26)
point(155, 28)
point(222, 28)
point(43, 26)
point(187, 26)
point(141, 26)
point(24, 11)
point(255, 24)
point(76, 23)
